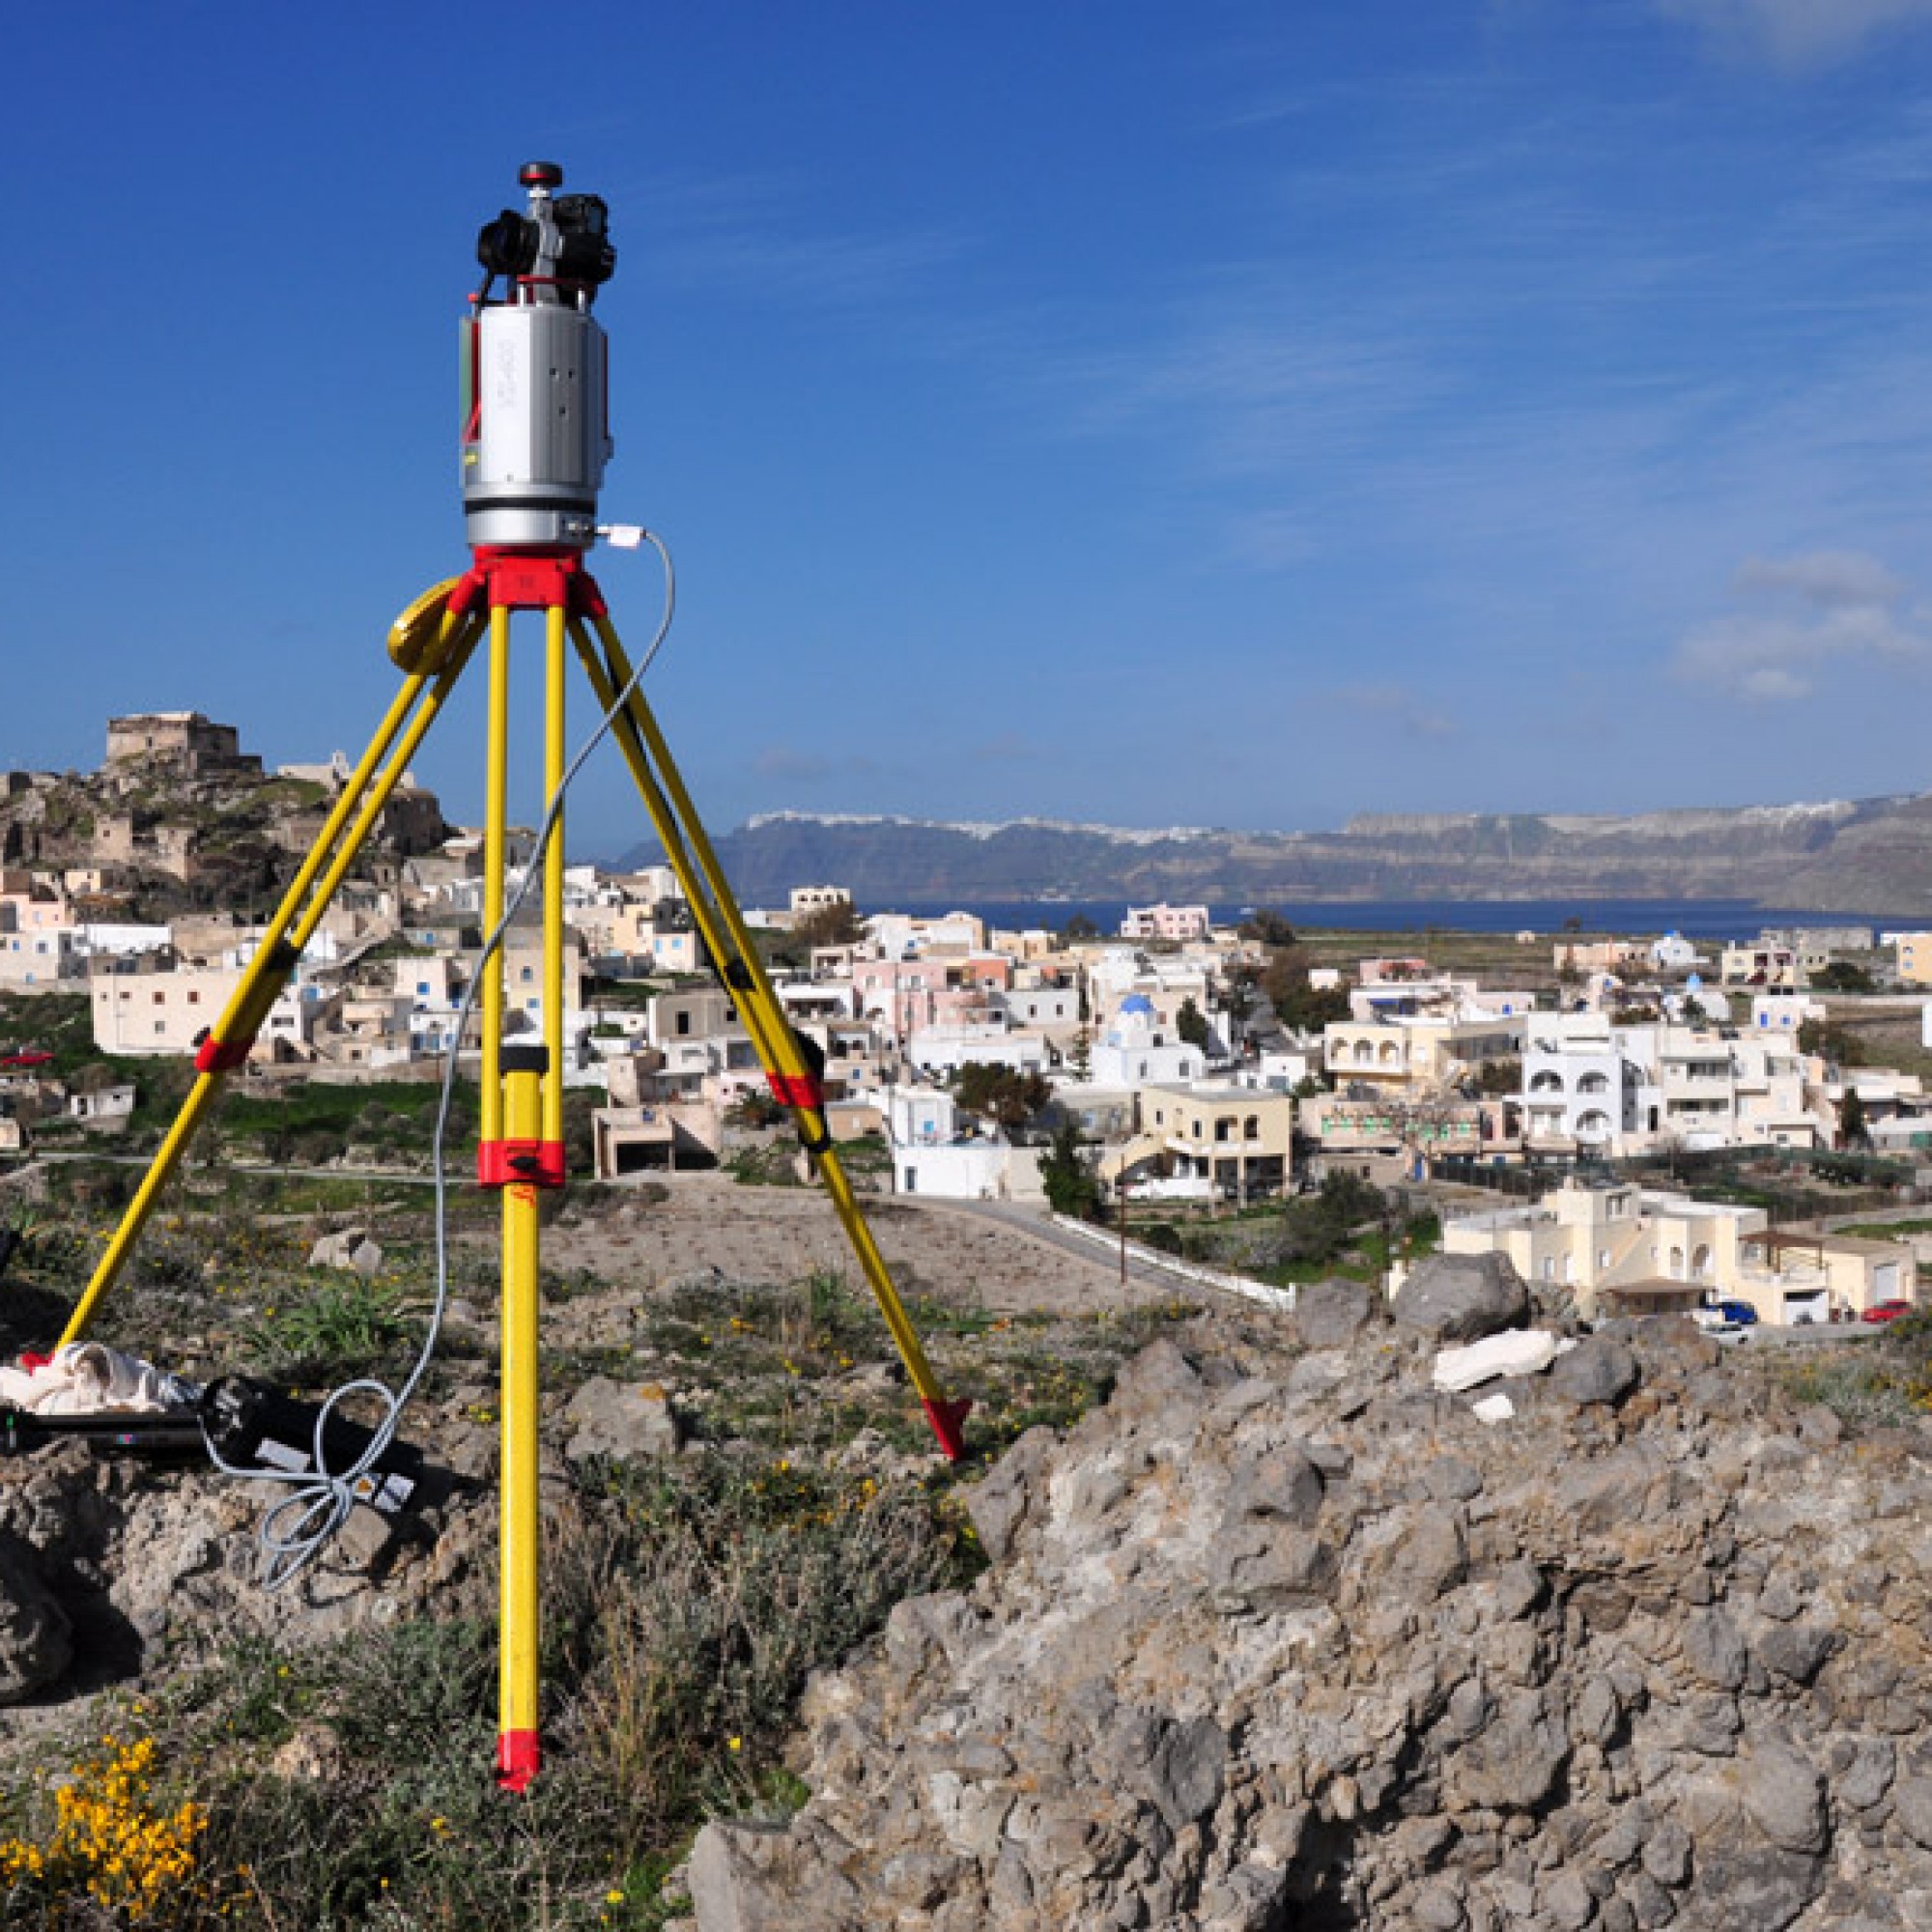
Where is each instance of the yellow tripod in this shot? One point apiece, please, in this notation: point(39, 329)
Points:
point(521, 1132)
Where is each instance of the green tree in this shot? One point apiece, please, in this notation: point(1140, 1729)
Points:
point(1840, 975)
point(1853, 1129)
point(1266, 928)
point(1305, 1007)
point(1068, 1177)
point(835, 925)
point(1837, 1044)
point(1001, 1094)
point(1191, 1024)
point(1080, 1055)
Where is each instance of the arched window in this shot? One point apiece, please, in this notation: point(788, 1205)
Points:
point(1700, 1262)
point(1594, 1083)
point(1545, 1082)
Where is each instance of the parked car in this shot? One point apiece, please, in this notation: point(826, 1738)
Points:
point(1887, 1311)
point(1740, 1311)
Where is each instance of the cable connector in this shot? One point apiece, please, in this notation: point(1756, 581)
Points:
point(623, 536)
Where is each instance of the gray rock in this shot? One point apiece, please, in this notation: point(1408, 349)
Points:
point(36, 1641)
point(1158, 1376)
point(1250, 1898)
point(754, 1878)
point(1865, 1772)
point(1750, 1889)
point(1784, 1795)
point(1911, 1806)
point(1714, 1647)
point(1262, 1566)
point(1516, 1762)
point(1568, 1902)
point(1282, 1487)
point(351, 1249)
point(1438, 1908)
point(1003, 1501)
point(1176, 1767)
point(1462, 1297)
point(1665, 1854)
point(1599, 1369)
point(1430, 1557)
point(1797, 1651)
point(622, 1421)
point(1331, 1313)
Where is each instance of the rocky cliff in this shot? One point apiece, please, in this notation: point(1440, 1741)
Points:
point(1284, 1638)
point(1874, 856)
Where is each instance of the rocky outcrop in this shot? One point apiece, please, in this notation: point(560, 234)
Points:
point(1304, 1644)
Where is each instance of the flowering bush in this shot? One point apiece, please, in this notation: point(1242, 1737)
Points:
point(111, 1842)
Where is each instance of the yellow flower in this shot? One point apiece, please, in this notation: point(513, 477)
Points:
point(734, 1744)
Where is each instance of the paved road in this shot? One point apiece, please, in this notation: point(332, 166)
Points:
point(1145, 1270)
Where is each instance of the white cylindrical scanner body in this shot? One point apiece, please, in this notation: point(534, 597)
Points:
point(535, 431)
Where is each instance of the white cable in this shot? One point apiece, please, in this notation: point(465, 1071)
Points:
point(300, 1528)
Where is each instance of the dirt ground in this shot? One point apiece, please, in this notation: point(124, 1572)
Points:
point(779, 1234)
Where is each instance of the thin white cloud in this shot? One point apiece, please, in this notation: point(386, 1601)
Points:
point(1398, 705)
point(1797, 34)
point(762, 234)
point(1802, 615)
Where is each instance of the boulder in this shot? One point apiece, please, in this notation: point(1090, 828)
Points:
point(36, 1641)
point(621, 1422)
point(1462, 1297)
point(1331, 1313)
point(351, 1249)
point(1599, 1369)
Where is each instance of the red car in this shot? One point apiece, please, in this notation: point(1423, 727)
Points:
point(26, 1056)
point(1887, 1311)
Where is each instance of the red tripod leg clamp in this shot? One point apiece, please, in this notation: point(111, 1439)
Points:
point(948, 1424)
point(531, 1163)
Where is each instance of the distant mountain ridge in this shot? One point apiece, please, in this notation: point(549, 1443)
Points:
point(1870, 855)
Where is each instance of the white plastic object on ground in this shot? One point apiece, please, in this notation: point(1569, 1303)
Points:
point(1516, 1351)
point(91, 1379)
point(1493, 1409)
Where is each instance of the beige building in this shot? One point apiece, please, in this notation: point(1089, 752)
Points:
point(1416, 1053)
point(1624, 1250)
point(1238, 1138)
point(139, 1007)
point(1914, 957)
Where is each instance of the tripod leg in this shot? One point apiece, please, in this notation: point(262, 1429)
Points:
point(356, 812)
point(518, 1611)
point(729, 943)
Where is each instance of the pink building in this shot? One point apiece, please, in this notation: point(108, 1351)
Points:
point(1165, 922)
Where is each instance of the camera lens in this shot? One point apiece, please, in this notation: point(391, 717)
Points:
point(509, 245)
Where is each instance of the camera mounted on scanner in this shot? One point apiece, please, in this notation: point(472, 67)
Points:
point(536, 430)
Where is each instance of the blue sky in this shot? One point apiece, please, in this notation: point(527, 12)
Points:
point(1240, 415)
